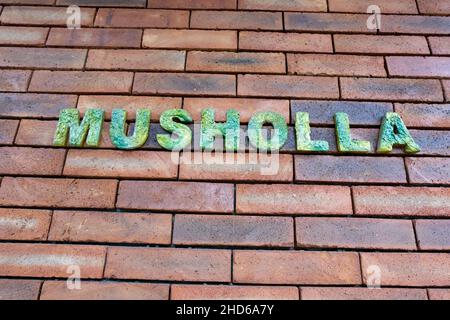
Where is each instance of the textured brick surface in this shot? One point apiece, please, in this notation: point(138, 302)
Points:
point(433, 234)
point(23, 224)
point(429, 171)
point(29, 161)
point(424, 115)
point(362, 294)
point(19, 289)
point(278, 41)
point(8, 130)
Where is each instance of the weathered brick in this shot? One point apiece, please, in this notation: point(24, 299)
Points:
point(380, 44)
point(193, 4)
point(414, 24)
point(433, 234)
point(31, 161)
point(386, 6)
point(12, 289)
point(123, 164)
point(239, 62)
point(433, 142)
point(326, 22)
point(184, 84)
point(278, 41)
point(349, 169)
point(446, 84)
point(240, 20)
point(8, 130)
point(173, 264)
point(63, 193)
point(440, 7)
point(424, 115)
point(233, 231)
point(92, 290)
point(284, 5)
point(429, 67)
point(391, 89)
point(40, 2)
point(163, 60)
point(293, 199)
point(440, 45)
point(23, 224)
point(288, 86)
point(402, 201)
point(355, 233)
point(223, 292)
point(176, 196)
point(408, 269)
point(23, 35)
point(343, 293)
point(50, 260)
point(439, 294)
point(106, 38)
point(335, 65)
point(428, 170)
point(139, 18)
point(114, 227)
point(103, 3)
point(14, 80)
point(81, 81)
point(296, 267)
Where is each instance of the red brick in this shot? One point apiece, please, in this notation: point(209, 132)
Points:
point(92, 290)
point(386, 6)
point(391, 89)
point(402, 201)
point(446, 85)
point(163, 60)
point(114, 227)
point(193, 4)
point(284, 5)
point(50, 260)
point(43, 16)
point(288, 86)
point(296, 267)
point(349, 169)
point(326, 22)
point(440, 45)
point(424, 115)
point(409, 269)
point(293, 199)
point(172, 264)
point(335, 65)
point(103, 3)
point(419, 66)
point(439, 294)
point(14, 80)
point(81, 81)
point(23, 35)
point(336, 293)
point(233, 231)
point(355, 233)
point(40, 2)
point(433, 142)
point(433, 234)
point(11, 289)
point(428, 170)
point(236, 62)
point(106, 38)
point(184, 84)
point(277, 41)
point(123, 164)
point(380, 44)
point(440, 7)
point(31, 161)
point(8, 130)
point(22, 224)
point(415, 24)
point(240, 20)
point(176, 196)
point(63, 193)
point(246, 107)
point(223, 292)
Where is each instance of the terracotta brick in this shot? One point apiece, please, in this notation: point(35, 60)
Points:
point(293, 199)
point(429, 67)
point(409, 269)
point(296, 267)
point(386, 6)
point(277, 41)
point(189, 39)
point(172, 264)
point(240, 20)
point(246, 107)
point(103, 3)
point(440, 45)
point(23, 35)
point(31, 161)
point(343, 293)
point(43, 16)
point(139, 18)
point(11, 289)
point(233, 231)
point(41, 2)
point(424, 115)
point(163, 60)
point(63, 193)
point(81, 81)
point(114, 227)
point(193, 4)
point(176, 196)
point(23, 224)
point(434, 7)
point(335, 65)
point(247, 62)
point(288, 86)
point(391, 89)
point(14, 80)
point(416, 25)
point(428, 170)
point(8, 130)
point(349, 169)
point(326, 22)
point(402, 201)
point(433, 142)
point(433, 234)
point(184, 84)
point(446, 85)
point(92, 290)
point(105, 38)
point(223, 292)
point(439, 294)
point(380, 44)
point(284, 5)
point(42, 58)
point(355, 233)
point(50, 260)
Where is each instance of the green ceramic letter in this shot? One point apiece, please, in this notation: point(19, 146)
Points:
point(345, 143)
point(393, 132)
point(117, 132)
point(183, 132)
point(303, 135)
point(210, 129)
point(256, 133)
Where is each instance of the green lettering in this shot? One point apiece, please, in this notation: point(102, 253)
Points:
point(303, 135)
point(393, 132)
point(117, 132)
point(210, 129)
point(182, 131)
point(255, 132)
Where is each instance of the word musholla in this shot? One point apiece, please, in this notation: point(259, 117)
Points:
point(71, 132)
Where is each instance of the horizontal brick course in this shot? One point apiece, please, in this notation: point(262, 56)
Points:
point(240, 20)
point(23, 35)
point(428, 170)
point(343, 293)
point(424, 115)
point(104, 3)
point(428, 67)
point(433, 234)
point(12, 289)
point(14, 80)
point(8, 130)
point(193, 4)
point(284, 5)
point(24, 224)
point(440, 45)
point(386, 6)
